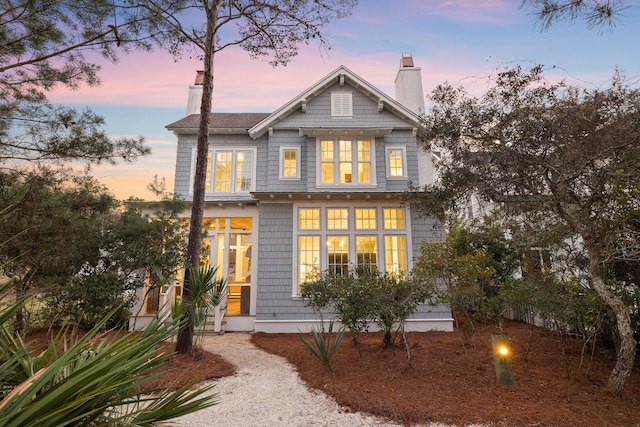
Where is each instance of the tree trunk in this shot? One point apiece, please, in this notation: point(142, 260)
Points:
point(184, 342)
point(626, 353)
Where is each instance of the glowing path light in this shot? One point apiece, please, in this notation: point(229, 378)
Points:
point(502, 358)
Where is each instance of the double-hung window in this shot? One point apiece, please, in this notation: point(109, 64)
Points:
point(229, 170)
point(335, 238)
point(346, 162)
point(396, 163)
point(289, 162)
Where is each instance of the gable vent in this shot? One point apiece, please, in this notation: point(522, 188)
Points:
point(341, 104)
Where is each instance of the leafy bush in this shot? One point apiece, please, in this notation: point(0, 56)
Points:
point(362, 295)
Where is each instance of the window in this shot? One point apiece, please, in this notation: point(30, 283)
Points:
point(309, 219)
point(345, 162)
point(228, 244)
point(308, 256)
point(229, 170)
point(337, 219)
point(367, 251)
point(290, 163)
point(393, 219)
point(396, 160)
point(395, 254)
point(366, 219)
point(336, 238)
point(338, 254)
point(341, 104)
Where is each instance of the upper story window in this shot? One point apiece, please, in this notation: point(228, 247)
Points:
point(396, 163)
point(341, 104)
point(289, 162)
point(345, 162)
point(229, 170)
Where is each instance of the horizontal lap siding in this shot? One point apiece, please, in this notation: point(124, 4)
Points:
point(275, 266)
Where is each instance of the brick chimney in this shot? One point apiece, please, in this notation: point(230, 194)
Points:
point(195, 94)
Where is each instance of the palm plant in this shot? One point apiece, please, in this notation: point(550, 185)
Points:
point(208, 292)
point(97, 380)
point(325, 344)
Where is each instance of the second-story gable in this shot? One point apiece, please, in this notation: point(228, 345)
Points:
point(341, 135)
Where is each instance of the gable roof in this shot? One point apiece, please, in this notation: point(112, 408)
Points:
point(342, 74)
point(221, 122)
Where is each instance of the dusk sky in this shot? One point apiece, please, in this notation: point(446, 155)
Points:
point(459, 41)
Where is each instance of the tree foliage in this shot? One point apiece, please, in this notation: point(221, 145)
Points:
point(596, 13)
point(44, 44)
point(266, 29)
point(68, 241)
point(547, 153)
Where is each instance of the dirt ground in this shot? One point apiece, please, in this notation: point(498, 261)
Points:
point(449, 383)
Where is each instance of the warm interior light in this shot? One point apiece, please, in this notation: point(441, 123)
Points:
point(503, 350)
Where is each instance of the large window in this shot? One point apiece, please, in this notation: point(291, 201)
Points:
point(335, 238)
point(346, 162)
point(229, 170)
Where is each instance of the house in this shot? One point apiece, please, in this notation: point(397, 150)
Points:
point(312, 185)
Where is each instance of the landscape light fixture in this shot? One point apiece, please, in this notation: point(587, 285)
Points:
point(502, 356)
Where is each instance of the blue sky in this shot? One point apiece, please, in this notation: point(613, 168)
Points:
point(459, 41)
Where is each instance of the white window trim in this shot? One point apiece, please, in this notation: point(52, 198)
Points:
point(192, 170)
point(380, 232)
point(281, 163)
point(338, 185)
point(341, 105)
point(404, 175)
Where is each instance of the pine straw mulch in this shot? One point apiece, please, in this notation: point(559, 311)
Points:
point(449, 383)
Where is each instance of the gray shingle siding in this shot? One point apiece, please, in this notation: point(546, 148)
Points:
point(275, 266)
point(187, 143)
point(426, 229)
point(318, 114)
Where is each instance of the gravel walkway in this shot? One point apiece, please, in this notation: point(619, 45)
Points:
point(266, 391)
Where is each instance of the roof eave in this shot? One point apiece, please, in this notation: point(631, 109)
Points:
point(341, 74)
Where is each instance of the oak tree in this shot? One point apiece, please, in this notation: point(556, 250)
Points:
point(547, 153)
